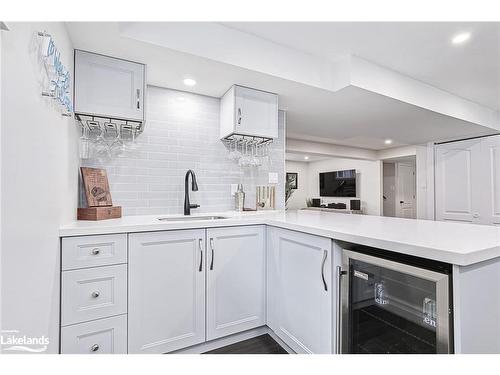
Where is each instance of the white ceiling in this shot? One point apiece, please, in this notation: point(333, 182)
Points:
point(421, 50)
point(351, 117)
point(359, 118)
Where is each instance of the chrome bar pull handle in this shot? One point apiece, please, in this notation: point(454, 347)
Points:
point(340, 273)
point(213, 253)
point(138, 98)
point(200, 268)
point(239, 116)
point(325, 254)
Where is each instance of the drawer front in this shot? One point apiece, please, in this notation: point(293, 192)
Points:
point(93, 293)
point(91, 251)
point(103, 336)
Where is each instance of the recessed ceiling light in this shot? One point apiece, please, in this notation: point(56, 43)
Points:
point(388, 141)
point(460, 38)
point(189, 82)
point(306, 157)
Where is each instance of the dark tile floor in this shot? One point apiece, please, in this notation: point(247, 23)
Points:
point(258, 345)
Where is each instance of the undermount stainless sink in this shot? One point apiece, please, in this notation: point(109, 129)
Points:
point(192, 218)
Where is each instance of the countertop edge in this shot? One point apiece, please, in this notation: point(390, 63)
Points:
point(437, 254)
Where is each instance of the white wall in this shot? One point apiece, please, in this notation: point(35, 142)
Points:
point(181, 135)
point(397, 152)
point(299, 196)
point(368, 181)
point(327, 149)
point(425, 181)
point(389, 189)
point(39, 167)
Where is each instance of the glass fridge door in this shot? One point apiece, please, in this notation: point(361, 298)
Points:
point(390, 307)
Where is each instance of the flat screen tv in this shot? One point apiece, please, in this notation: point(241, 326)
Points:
point(338, 183)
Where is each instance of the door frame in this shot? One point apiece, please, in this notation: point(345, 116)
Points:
point(400, 159)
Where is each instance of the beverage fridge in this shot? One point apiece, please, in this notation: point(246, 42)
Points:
point(392, 303)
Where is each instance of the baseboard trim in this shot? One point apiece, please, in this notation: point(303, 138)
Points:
point(280, 341)
point(233, 339)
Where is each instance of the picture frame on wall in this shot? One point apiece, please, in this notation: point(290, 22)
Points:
point(292, 179)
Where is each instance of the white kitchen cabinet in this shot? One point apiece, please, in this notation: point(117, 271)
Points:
point(458, 179)
point(93, 293)
point(93, 251)
point(108, 87)
point(299, 290)
point(103, 336)
point(166, 290)
point(247, 111)
point(236, 280)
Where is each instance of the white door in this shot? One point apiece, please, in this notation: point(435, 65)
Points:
point(166, 290)
point(490, 183)
point(108, 86)
point(236, 280)
point(405, 190)
point(300, 288)
point(457, 172)
point(256, 112)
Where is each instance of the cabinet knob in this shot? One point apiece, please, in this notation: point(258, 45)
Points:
point(94, 348)
point(96, 294)
point(95, 251)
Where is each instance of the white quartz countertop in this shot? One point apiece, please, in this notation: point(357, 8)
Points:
point(455, 243)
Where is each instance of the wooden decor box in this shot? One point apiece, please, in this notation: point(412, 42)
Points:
point(99, 203)
point(99, 213)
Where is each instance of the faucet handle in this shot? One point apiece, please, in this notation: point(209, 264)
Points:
point(194, 205)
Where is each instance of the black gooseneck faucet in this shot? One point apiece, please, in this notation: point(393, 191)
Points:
point(194, 187)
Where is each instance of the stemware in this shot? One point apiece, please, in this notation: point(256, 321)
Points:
point(84, 144)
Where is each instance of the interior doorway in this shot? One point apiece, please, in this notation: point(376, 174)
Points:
point(399, 187)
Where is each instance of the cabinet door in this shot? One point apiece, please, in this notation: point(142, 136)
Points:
point(103, 336)
point(236, 280)
point(300, 287)
point(166, 290)
point(108, 86)
point(256, 112)
point(93, 293)
point(458, 177)
point(490, 184)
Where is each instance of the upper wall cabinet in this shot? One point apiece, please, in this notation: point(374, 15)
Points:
point(109, 87)
point(246, 111)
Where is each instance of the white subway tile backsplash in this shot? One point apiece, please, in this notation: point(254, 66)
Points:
point(182, 135)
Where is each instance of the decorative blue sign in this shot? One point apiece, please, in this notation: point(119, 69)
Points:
point(58, 76)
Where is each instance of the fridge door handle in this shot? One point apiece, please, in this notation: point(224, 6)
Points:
point(340, 273)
